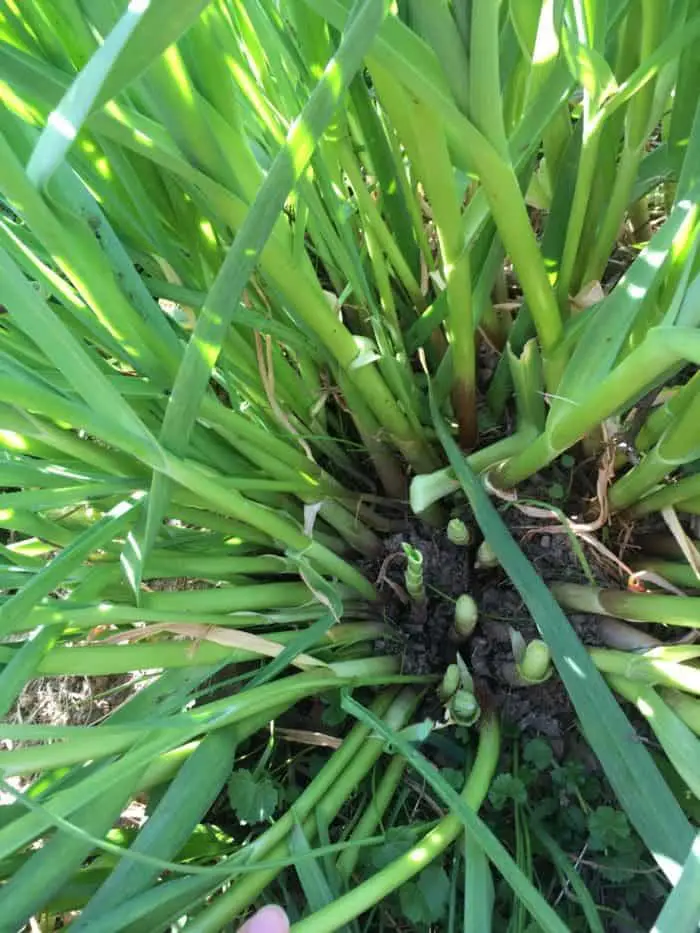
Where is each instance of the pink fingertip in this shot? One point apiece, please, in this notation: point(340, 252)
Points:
point(270, 919)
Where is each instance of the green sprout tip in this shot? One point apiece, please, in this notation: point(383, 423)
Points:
point(485, 557)
point(464, 708)
point(458, 532)
point(413, 576)
point(466, 616)
point(533, 660)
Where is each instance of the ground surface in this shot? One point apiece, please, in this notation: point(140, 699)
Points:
point(426, 633)
point(564, 793)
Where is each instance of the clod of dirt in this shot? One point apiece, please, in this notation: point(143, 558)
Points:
point(425, 632)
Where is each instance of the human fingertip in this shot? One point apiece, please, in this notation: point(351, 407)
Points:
point(271, 919)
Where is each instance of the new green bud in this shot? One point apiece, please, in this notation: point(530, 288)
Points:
point(450, 683)
point(413, 577)
point(466, 615)
point(464, 708)
point(535, 666)
point(414, 558)
point(485, 557)
point(458, 533)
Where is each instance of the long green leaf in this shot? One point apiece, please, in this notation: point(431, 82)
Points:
point(37, 320)
point(170, 824)
point(67, 119)
point(681, 912)
point(478, 888)
point(645, 796)
point(161, 25)
point(57, 861)
point(222, 300)
point(55, 572)
point(23, 666)
point(491, 845)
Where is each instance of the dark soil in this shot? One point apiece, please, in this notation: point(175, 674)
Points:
point(426, 636)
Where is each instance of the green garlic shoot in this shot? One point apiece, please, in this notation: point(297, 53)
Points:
point(464, 708)
point(533, 660)
point(458, 532)
point(413, 576)
point(485, 557)
point(457, 693)
point(450, 683)
point(466, 616)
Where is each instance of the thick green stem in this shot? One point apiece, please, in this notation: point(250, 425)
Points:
point(383, 459)
point(507, 205)
point(261, 596)
point(686, 707)
point(324, 796)
point(683, 494)
point(194, 477)
point(557, 132)
point(380, 885)
point(204, 567)
point(675, 447)
point(675, 737)
point(305, 295)
point(429, 488)
point(681, 574)
point(566, 286)
point(66, 613)
point(485, 95)
point(641, 479)
point(647, 668)
point(661, 349)
point(635, 607)
point(431, 158)
point(372, 816)
point(202, 719)
point(607, 235)
point(263, 448)
point(212, 488)
point(349, 527)
point(637, 128)
point(100, 660)
point(663, 416)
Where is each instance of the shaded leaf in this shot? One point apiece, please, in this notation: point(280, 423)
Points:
point(252, 799)
point(425, 900)
point(454, 777)
point(607, 828)
point(505, 788)
point(538, 753)
point(333, 713)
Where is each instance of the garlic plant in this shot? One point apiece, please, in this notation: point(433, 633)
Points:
point(485, 557)
point(458, 532)
point(457, 693)
point(533, 660)
point(237, 241)
point(466, 616)
point(413, 575)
